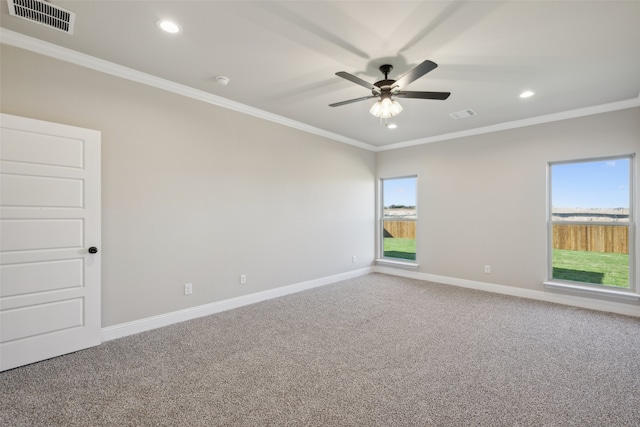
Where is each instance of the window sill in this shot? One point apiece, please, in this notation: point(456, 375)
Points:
point(394, 263)
point(588, 290)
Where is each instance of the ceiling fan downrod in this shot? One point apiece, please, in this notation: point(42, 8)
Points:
point(386, 69)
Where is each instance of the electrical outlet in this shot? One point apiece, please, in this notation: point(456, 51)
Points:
point(487, 269)
point(243, 279)
point(188, 288)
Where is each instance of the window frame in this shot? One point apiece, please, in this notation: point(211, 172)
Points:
point(381, 220)
point(585, 287)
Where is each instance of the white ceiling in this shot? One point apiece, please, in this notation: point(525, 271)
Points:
point(281, 57)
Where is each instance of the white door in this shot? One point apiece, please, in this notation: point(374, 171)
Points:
point(49, 218)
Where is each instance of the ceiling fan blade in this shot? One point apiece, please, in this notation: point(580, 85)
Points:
point(364, 98)
point(423, 95)
point(356, 80)
point(415, 73)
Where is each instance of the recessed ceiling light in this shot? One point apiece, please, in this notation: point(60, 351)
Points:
point(527, 94)
point(168, 26)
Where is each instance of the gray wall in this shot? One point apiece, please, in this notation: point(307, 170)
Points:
point(482, 199)
point(196, 193)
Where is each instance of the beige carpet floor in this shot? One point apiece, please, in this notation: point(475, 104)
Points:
point(376, 350)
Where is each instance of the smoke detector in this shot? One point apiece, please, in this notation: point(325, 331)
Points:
point(44, 13)
point(222, 80)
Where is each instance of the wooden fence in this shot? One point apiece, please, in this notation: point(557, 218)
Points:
point(593, 238)
point(400, 229)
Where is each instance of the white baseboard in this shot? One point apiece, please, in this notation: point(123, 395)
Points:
point(558, 298)
point(149, 323)
point(142, 325)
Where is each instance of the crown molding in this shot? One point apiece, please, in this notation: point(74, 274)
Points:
point(22, 41)
point(571, 114)
point(12, 38)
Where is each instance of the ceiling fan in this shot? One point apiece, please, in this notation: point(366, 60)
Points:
point(386, 106)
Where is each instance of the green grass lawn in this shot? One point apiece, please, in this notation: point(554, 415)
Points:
point(579, 266)
point(400, 248)
point(591, 267)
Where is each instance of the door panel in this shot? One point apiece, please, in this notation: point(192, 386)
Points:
point(31, 277)
point(41, 148)
point(30, 191)
point(17, 323)
point(49, 216)
point(33, 234)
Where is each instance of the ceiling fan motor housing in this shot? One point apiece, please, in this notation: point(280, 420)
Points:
point(384, 85)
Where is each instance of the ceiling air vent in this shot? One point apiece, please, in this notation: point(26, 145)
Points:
point(463, 114)
point(43, 13)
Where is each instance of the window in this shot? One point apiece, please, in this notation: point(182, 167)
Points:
point(399, 217)
point(591, 222)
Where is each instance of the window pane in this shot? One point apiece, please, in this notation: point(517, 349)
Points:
point(399, 218)
point(585, 198)
point(591, 191)
point(595, 254)
point(400, 239)
point(399, 197)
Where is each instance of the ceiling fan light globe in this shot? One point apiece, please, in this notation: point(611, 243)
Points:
point(395, 108)
point(376, 109)
point(385, 108)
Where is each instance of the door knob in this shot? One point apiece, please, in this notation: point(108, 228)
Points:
point(93, 250)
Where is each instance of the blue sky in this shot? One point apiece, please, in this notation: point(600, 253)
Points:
point(597, 184)
point(399, 191)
